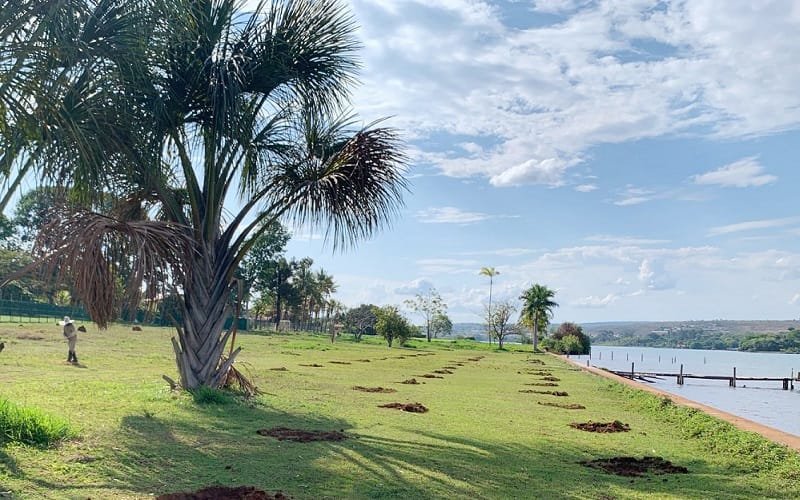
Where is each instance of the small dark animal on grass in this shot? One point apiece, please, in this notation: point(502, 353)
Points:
point(82, 329)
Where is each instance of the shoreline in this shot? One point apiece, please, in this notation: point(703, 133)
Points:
point(741, 423)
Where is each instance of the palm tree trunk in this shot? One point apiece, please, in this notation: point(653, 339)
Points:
point(491, 317)
point(535, 332)
point(201, 340)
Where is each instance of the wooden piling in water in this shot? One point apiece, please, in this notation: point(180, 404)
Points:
point(632, 371)
point(680, 377)
point(733, 380)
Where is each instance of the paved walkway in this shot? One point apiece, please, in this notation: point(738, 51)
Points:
point(744, 424)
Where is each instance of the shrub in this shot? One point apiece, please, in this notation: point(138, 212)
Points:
point(392, 326)
point(19, 424)
point(204, 395)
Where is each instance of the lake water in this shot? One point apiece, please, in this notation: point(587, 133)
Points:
point(763, 402)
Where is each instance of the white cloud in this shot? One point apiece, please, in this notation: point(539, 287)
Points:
point(592, 301)
point(753, 225)
point(747, 172)
point(503, 252)
point(419, 285)
point(453, 215)
point(795, 299)
point(585, 188)
point(653, 276)
point(624, 240)
point(536, 100)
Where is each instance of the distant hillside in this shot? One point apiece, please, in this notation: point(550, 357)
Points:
point(732, 327)
point(717, 334)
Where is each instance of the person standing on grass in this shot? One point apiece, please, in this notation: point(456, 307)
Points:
point(71, 335)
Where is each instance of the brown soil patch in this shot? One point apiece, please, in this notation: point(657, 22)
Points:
point(543, 384)
point(411, 381)
point(409, 407)
point(312, 365)
point(633, 467)
point(225, 493)
point(430, 375)
point(477, 358)
point(137, 328)
point(551, 379)
point(539, 373)
point(536, 361)
point(280, 369)
point(340, 362)
point(552, 393)
point(28, 336)
point(302, 436)
point(567, 406)
point(459, 364)
point(603, 427)
point(364, 360)
point(383, 390)
point(450, 367)
point(443, 372)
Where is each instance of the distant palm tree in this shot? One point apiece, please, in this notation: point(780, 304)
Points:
point(491, 273)
point(189, 108)
point(537, 305)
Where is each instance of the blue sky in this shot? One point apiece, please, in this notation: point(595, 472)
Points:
point(639, 157)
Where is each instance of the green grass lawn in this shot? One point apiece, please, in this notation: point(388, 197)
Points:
point(482, 438)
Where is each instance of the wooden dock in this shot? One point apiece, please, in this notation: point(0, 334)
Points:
point(786, 382)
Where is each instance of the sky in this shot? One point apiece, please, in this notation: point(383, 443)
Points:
point(638, 157)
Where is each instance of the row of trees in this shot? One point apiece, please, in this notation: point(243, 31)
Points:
point(535, 315)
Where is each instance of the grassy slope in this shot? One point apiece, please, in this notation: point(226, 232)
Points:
point(481, 438)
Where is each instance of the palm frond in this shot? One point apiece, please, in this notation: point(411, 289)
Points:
point(89, 250)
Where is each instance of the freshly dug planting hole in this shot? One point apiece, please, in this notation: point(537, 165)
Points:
point(340, 362)
point(430, 375)
point(313, 365)
point(411, 381)
point(280, 369)
point(302, 436)
point(634, 467)
point(566, 406)
point(409, 407)
point(552, 393)
point(443, 372)
point(384, 390)
point(603, 427)
point(225, 493)
point(543, 384)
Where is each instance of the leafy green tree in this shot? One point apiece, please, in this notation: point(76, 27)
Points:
point(441, 325)
point(258, 268)
point(392, 326)
point(429, 305)
point(498, 321)
point(537, 304)
point(361, 320)
point(190, 106)
point(568, 339)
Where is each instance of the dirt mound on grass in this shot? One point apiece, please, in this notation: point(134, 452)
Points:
point(312, 365)
point(280, 369)
point(302, 436)
point(566, 406)
point(477, 358)
point(430, 375)
point(411, 381)
point(536, 361)
point(543, 384)
point(28, 336)
point(340, 362)
point(82, 329)
point(384, 390)
point(443, 372)
point(551, 393)
point(409, 407)
point(539, 373)
point(225, 493)
point(450, 368)
point(364, 360)
point(633, 467)
point(603, 427)
point(551, 379)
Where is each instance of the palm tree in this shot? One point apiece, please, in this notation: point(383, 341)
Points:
point(190, 107)
point(491, 273)
point(537, 305)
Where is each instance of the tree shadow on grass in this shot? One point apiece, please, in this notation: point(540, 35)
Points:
point(219, 445)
